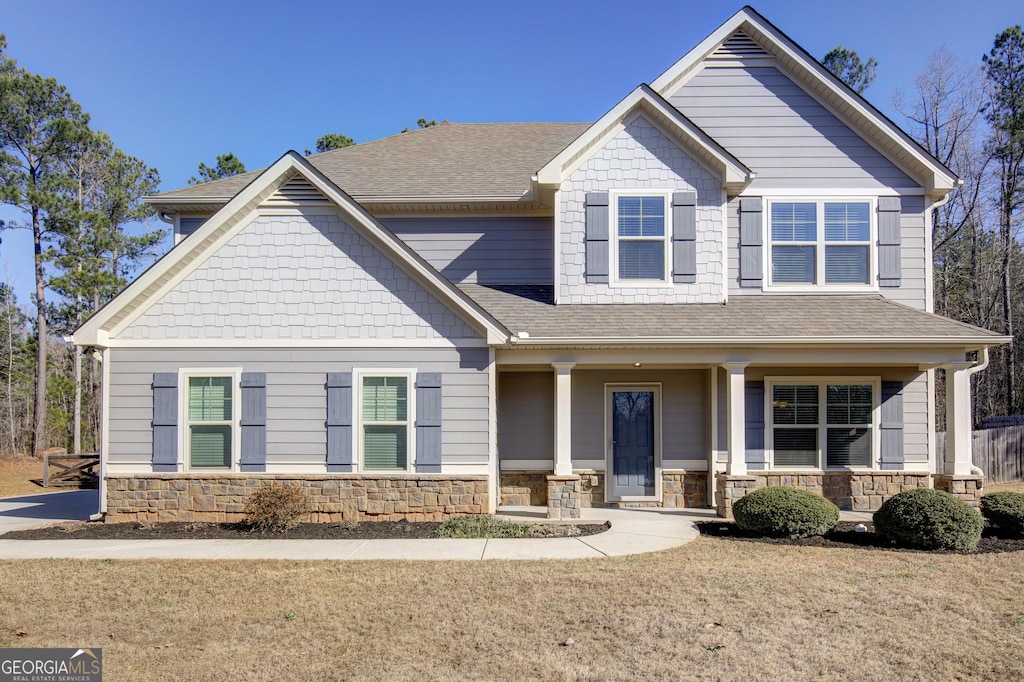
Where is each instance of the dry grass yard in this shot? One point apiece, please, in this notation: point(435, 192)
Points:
point(15, 475)
point(1017, 487)
point(712, 610)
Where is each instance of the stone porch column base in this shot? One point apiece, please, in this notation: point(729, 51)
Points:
point(967, 488)
point(730, 489)
point(564, 496)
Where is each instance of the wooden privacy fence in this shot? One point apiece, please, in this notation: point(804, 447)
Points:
point(999, 452)
point(77, 470)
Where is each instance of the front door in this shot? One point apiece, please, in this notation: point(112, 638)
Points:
point(632, 419)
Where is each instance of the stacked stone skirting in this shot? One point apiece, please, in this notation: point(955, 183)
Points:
point(850, 491)
point(530, 488)
point(333, 498)
point(967, 488)
point(523, 489)
point(564, 493)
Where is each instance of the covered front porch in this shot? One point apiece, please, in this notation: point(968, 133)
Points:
point(701, 427)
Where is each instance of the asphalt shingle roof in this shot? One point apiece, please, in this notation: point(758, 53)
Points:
point(531, 309)
point(446, 160)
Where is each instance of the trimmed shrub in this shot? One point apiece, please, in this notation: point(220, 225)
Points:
point(924, 518)
point(1004, 511)
point(785, 512)
point(482, 526)
point(276, 508)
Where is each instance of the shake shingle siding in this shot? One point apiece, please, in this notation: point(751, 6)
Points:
point(298, 277)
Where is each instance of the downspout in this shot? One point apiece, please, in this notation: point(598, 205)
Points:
point(981, 366)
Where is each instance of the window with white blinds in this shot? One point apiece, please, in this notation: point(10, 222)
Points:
point(641, 232)
point(823, 424)
point(818, 243)
point(210, 421)
point(384, 415)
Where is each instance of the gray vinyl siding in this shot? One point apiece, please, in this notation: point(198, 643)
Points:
point(913, 253)
point(482, 250)
point(296, 395)
point(684, 412)
point(782, 133)
point(526, 416)
point(916, 426)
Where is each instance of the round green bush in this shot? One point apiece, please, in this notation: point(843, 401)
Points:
point(1004, 511)
point(924, 518)
point(786, 512)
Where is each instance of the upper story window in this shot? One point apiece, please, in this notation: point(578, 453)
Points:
point(641, 231)
point(815, 243)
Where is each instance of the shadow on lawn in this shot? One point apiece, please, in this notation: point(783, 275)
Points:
point(845, 536)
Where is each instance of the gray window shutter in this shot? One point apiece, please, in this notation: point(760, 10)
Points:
point(751, 241)
point(754, 407)
point(428, 423)
point(254, 421)
point(340, 457)
point(892, 426)
point(165, 421)
point(684, 237)
point(597, 237)
point(889, 270)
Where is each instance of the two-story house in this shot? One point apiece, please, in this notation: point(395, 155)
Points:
point(723, 283)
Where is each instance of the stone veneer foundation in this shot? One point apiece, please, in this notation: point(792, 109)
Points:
point(530, 488)
point(967, 488)
point(333, 497)
point(860, 491)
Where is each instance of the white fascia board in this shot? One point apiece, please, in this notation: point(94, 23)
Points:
point(940, 179)
point(643, 98)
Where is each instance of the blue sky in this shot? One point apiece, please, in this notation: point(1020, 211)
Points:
point(176, 83)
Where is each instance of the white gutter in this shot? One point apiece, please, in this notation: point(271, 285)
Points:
point(980, 342)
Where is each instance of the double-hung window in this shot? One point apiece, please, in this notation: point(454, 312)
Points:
point(385, 423)
point(210, 420)
point(816, 243)
point(641, 231)
point(823, 424)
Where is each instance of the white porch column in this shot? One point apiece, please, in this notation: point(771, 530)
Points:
point(737, 420)
point(563, 418)
point(958, 419)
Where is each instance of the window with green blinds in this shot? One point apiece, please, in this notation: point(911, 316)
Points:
point(210, 422)
point(385, 414)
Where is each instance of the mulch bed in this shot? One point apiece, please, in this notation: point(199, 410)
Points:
point(845, 535)
point(240, 531)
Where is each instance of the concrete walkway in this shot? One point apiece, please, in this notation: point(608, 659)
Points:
point(633, 531)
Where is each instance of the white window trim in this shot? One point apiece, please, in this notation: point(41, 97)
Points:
point(184, 454)
point(613, 240)
point(609, 388)
point(410, 375)
point(821, 382)
point(819, 253)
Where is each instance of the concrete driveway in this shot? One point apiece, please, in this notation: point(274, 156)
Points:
point(32, 510)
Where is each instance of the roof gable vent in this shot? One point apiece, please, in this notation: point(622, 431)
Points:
point(739, 46)
point(296, 192)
